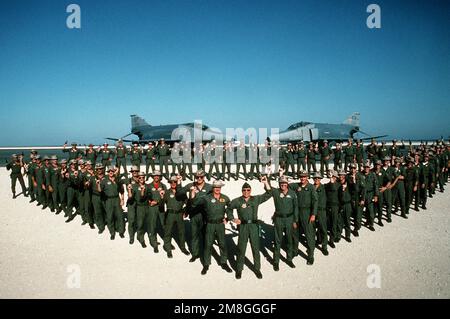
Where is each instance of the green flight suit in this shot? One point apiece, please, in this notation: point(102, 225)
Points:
point(97, 204)
point(286, 213)
point(411, 180)
point(48, 198)
point(141, 200)
point(211, 157)
point(383, 151)
point(253, 157)
point(425, 179)
point(372, 152)
point(136, 157)
point(398, 191)
point(73, 200)
point(325, 154)
point(74, 154)
point(215, 210)
point(228, 156)
point(16, 174)
point(105, 156)
point(30, 174)
point(337, 160)
point(345, 206)
point(155, 212)
point(359, 154)
point(247, 211)
point(131, 208)
point(321, 218)
point(121, 160)
point(114, 214)
point(86, 198)
point(163, 152)
point(301, 159)
point(91, 155)
point(196, 214)
point(332, 194)
point(54, 183)
point(80, 198)
point(357, 191)
point(307, 203)
point(349, 155)
point(371, 191)
point(241, 160)
point(40, 181)
point(150, 157)
point(290, 162)
point(174, 217)
point(176, 157)
point(63, 184)
point(388, 177)
point(379, 203)
point(312, 160)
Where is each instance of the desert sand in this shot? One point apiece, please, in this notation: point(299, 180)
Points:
point(40, 254)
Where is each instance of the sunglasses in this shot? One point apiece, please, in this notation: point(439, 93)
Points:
point(199, 177)
point(172, 182)
point(246, 190)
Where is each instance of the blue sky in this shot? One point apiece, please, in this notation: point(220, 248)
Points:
point(228, 63)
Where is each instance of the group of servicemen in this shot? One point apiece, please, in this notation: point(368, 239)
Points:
point(383, 183)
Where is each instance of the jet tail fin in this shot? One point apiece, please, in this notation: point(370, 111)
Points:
point(137, 122)
point(353, 119)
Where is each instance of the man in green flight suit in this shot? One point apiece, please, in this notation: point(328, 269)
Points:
point(150, 158)
point(15, 165)
point(140, 194)
point(53, 184)
point(359, 154)
point(196, 213)
point(345, 205)
point(307, 202)
point(73, 200)
point(312, 151)
point(398, 187)
point(97, 202)
point(372, 194)
point(39, 181)
point(215, 205)
point(63, 184)
point(29, 168)
point(332, 190)
point(105, 155)
point(156, 209)
point(174, 216)
point(349, 153)
point(163, 152)
point(321, 220)
point(285, 220)
point(91, 154)
point(74, 152)
point(325, 154)
point(121, 152)
point(136, 155)
point(301, 157)
point(132, 182)
point(387, 178)
point(86, 195)
point(248, 224)
point(411, 183)
point(113, 192)
point(356, 185)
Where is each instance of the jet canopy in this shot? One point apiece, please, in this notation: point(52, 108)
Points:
point(297, 125)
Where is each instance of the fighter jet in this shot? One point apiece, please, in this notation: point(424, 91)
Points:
point(310, 132)
point(187, 132)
